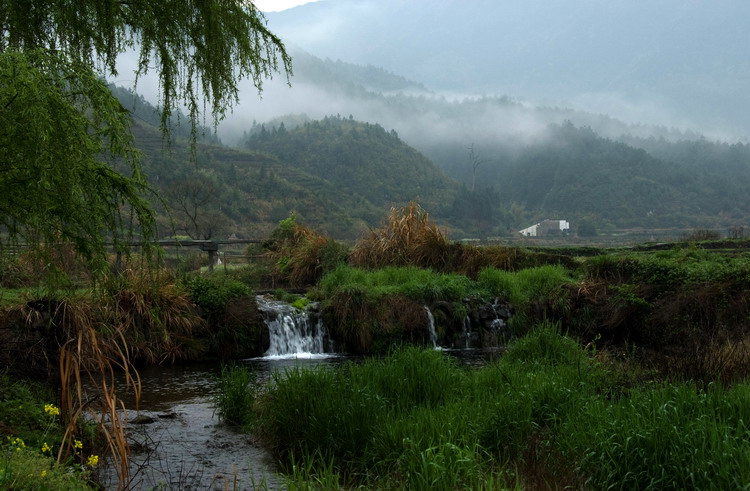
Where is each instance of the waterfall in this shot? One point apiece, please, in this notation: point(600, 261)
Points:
point(292, 331)
point(431, 327)
point(467, 332)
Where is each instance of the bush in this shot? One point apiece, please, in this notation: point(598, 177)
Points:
point(212, 293)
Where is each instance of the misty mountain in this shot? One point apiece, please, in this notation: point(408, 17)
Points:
point(359, 158)
point(338, 175)
point(532, 162)
point(671, 62)
point(437, 126)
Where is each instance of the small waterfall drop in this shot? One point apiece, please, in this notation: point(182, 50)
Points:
point(467, 332)
point(292, 332)
point(431, 327)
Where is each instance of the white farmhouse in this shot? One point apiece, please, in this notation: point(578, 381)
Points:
point(546, 227)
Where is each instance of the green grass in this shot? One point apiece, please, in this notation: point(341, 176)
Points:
point(12, 296)
point(369, 312)
point(527, 285)
point(422, 285)
point(672, 268)
point(236, 395)
point(27, 469)
point(546, 413)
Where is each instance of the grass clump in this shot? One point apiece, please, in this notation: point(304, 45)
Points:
point(360, 303)
point(413, 420)
point(421, 285)
point(236, 395)
point(521, 288)
point(318, 412)
point(675, 437)
point(300, 256)
point(369, 311)
point(545, 345)
point(407, 238)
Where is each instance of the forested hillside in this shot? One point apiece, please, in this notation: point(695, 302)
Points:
point(359, 157)
point(338, 175)
point(650, 183)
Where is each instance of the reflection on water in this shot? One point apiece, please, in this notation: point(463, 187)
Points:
point(186, 447)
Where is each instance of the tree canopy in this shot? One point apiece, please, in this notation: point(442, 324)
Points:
point(68, 169)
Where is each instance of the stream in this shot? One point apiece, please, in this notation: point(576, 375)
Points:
point(178, 442)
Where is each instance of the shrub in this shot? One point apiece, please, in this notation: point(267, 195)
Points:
point(212, 293)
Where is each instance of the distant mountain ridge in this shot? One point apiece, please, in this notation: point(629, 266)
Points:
point(669, 62)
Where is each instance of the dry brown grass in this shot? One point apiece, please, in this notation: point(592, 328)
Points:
point(406, 315)
point(365, 326)
point(300, 255)
point(705, 359)
point(408, 237)
point(156, 318)
point(86, 357)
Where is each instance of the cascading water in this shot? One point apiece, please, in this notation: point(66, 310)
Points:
point(467, 332)
point(292, 332)
point(431, 327)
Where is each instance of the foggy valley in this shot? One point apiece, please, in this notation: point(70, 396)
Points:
point(629, 115)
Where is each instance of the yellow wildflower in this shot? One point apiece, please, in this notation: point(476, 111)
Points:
point(51, 409)
point(46, 448)
point(92, 460)
point(44, 474)
point(77, 444)
point(17, 442)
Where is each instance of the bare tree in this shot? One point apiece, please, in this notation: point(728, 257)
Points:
point(475, 162)
point(193, 199)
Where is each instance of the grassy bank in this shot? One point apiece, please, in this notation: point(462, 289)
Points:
point(548, 414)
point(369, 311)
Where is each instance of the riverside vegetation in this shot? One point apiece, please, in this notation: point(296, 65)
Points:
point(626, 368)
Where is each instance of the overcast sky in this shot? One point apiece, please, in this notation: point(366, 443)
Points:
point(278, 5)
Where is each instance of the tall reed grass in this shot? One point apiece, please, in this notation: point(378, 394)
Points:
point(408, 237)
point(90, 335)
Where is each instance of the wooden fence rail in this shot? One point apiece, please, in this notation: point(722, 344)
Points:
point(211, 247)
